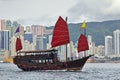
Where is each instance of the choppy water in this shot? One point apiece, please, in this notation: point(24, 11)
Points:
point(91, 71)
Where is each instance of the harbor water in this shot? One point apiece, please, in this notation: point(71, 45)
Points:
point(91, 71)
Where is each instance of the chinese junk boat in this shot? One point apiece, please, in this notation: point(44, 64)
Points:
point(48, 59)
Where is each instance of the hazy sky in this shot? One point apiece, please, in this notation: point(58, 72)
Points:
point(46, 12)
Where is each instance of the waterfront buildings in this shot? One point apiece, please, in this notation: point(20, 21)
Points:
point(108, 45)
point(38, 37)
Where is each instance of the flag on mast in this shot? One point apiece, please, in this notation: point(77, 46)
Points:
point(17, 30)
point(83, 25)
point(18, 40)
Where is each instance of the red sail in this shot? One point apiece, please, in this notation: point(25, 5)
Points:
point(18, 44)
point(60, 33)
point(82, 43)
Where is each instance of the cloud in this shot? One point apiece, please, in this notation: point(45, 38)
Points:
point(43, 20)
point(46, 12)
point(114, 8)
point(94, 10)
point(34, 11)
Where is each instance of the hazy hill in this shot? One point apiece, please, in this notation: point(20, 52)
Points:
point(98, 30)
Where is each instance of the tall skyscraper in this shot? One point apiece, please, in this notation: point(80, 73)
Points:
point(108, 45)
point(2, 24)
point(116, 35)
point(45, 40)
point(91, 45)
point(89, 38)
point(8, 25)
point(12, 46)
point(4, 39)
point(39, 42)
point(49, 41)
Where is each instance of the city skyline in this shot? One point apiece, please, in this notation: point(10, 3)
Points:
point(37, 37)
point(29, 12)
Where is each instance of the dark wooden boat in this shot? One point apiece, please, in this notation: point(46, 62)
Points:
point(48, 59)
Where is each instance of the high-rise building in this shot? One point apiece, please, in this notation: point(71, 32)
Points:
point(108, 45)
point(116, 35)
point(28, 36)
point(2, 24)
point(89, 38)
point(45, 41)
point(49, 41)
point(8, 23)
point(4, 39)
point(101, 50)
point(38, 29)
point(39, 42)
point(12, 46)
point(91, 45)
point(15, 24)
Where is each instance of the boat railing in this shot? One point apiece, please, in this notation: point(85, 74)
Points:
point(36, 52)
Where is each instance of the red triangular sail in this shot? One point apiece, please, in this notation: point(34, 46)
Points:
point(18, 44)
point(82, 43)
point(60, 33)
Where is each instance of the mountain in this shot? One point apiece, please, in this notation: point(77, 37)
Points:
point(98, 30)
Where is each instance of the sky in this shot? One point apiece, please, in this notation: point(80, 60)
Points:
point(46, 12)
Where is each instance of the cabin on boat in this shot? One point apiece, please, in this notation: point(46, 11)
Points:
point(43, 56)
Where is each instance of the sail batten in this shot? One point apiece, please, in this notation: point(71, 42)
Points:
point(60, 33)
point(82, 43)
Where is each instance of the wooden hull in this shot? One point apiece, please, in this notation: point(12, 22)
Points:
point(70, 65)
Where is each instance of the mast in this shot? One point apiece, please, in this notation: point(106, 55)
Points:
point(82, 41)
point(18, 40)
point(66, 44)
point(85, 35)
point(84, 27)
